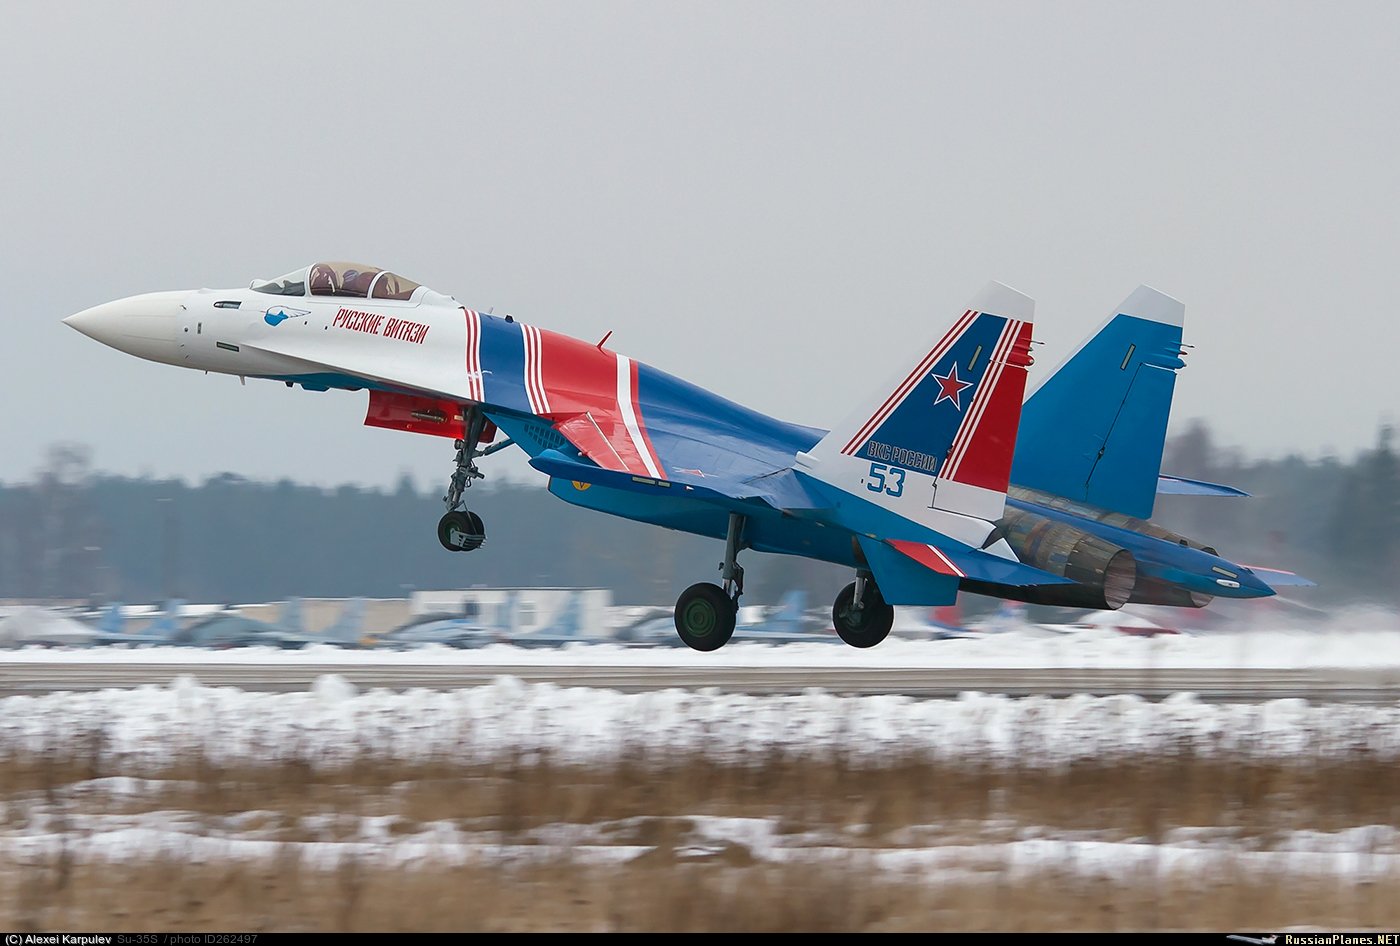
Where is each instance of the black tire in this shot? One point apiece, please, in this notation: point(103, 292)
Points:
point(867, 626)
point(705, 617)
point(461, 531)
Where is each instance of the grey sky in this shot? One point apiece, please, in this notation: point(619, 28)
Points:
point(773, 200)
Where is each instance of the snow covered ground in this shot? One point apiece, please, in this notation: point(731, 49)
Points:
point(1350, 644)
point(1363, 854)
point(333, 724)
point(99, 820)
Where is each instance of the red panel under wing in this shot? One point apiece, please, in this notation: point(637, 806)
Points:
point(420, 415)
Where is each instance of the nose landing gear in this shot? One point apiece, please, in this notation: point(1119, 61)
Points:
point(461, 530)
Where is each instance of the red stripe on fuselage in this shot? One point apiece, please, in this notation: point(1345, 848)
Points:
point(476, 390)
point(535, 391)
point(641, 421)
point(578, 378)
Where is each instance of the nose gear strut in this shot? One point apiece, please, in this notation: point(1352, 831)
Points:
point(461, 530)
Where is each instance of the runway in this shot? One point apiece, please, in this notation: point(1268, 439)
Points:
point(1212, 684)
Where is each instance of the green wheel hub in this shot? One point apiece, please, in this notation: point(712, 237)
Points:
point(699, 618)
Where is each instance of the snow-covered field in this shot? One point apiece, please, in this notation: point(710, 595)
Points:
point(334, 724)
point(479, 778)
point(1352, 643)
point(1363, 854)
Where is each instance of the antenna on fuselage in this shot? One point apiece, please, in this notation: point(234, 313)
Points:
point(604, 339)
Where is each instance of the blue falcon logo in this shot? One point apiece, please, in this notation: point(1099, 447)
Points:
point(278, 314)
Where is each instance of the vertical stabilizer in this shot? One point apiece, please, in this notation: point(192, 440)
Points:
point(1094, 429)
point(507, 613)
point(113, 622)
point(568, 622)
point(346, 628)
point(792, 610)
point(167, 625)
point(933, 444)
point(290, 616)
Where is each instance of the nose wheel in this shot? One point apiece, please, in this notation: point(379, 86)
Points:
point(461, 531)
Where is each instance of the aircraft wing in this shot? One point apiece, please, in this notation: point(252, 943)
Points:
point(607, 441)
point(706, 463)
point(781, 489)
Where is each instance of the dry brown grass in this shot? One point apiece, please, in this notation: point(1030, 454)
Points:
point(862, 806)
point(168, 895)
point(1136, 797)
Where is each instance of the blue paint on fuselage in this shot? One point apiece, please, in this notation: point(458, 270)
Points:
point(503, 364)
point(694, 429)
point(765, 529)
point(687, 422)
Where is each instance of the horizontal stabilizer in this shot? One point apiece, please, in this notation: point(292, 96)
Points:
point(962, 561)
point(913, 573)
point(1278, 578)
point(1180, 486)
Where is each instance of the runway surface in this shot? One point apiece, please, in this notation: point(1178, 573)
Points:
point(1216, 684)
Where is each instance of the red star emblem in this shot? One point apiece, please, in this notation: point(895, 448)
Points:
point(950, 388)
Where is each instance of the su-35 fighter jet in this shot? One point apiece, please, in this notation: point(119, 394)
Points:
point(912, 490)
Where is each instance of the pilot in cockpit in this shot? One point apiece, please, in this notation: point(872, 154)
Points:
point(355, 283)
point(321, 281)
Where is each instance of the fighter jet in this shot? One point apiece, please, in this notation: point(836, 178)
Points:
point(913, 490)
point(465, 629)
point(159, 631)
point(36, 627)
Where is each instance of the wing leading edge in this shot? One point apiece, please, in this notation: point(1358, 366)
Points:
point(781, 490)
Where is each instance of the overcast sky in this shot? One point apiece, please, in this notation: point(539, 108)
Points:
point(772, 200)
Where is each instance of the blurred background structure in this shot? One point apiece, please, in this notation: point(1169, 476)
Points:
point(71, 533)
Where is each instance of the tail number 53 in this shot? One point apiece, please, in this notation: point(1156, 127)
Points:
point(885, 479)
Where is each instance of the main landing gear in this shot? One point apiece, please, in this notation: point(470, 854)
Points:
point(706, 613)
point(861, 615)
point(461, 530)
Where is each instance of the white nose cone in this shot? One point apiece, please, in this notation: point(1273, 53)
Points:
point(145, 326)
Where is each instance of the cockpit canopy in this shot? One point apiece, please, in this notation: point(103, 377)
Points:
point(352, 280)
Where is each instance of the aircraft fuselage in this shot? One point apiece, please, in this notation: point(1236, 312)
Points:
point(424, 356)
